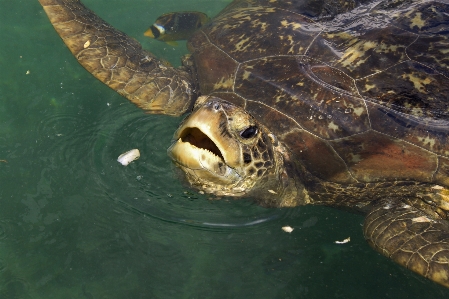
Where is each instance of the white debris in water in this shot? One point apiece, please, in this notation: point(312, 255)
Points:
point(272, 191)
point(287, 229)
point(344, 241)
point(129, 156)
point(86, 44)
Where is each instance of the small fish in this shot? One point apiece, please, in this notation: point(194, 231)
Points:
point(175, 26)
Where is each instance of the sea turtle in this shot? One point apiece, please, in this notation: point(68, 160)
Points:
point(342, 103)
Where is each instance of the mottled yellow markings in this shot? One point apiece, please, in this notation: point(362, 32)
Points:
point(279, 98)
point(292, 45)
point(246, 75)
point(384, 48)
point(418, 83)
point(227, 27)
point(429, 141)
point(359, 111)
point(408, 105)
point(332, 126)
point(369, 45)
point(293, 25)
point(417, 112)
point(243, 44)
point(355, 158)
point(417, 21)
point(356, 53)
point(369, 86)
point(225, 83)
point(340, 35)
point(262, 25)
point(242, 16)
point(444, 51)
point(300, 83)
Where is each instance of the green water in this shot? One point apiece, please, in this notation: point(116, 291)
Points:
point(74, 223)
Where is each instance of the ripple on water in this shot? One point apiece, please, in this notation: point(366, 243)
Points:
point(14, 288)
point(2, 265)
point(150, 185)
point(65, 137)
point(4, 229)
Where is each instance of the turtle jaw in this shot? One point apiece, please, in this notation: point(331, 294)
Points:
point(202, 152)
point(202, 166)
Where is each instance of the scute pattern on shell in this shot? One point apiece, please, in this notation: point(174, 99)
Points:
point(374, 78)
point(354, 94)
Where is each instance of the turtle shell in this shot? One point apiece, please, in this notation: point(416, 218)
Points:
point(357, 93)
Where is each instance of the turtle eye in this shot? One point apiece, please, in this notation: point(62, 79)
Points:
point(249, 132)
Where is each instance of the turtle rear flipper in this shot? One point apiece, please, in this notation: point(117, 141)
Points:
point(411, 238)
point(119, 60)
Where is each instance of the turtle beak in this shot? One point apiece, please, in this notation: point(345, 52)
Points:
point(201, 150)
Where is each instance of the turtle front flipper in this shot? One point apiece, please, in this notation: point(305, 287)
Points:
point(119, 61)
point(411, 238)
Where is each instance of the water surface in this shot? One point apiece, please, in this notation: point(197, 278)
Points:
point(74, 223)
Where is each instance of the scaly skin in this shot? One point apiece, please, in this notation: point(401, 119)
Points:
point(411, 238)
point(119, 61)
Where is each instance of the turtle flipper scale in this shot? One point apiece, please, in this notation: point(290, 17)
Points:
point(411, 238)
point(119, 61)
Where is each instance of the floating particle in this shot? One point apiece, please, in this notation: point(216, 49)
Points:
point(344, 241)
point(287, 229)
point(129, 156)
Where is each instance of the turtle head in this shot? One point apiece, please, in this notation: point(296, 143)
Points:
point(223, 150)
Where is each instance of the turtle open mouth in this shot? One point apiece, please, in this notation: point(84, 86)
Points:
point(209, 157)
point(195, 149)
point(202, 150)
point(197, 138)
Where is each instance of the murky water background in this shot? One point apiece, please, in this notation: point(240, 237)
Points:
point(74, 223)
